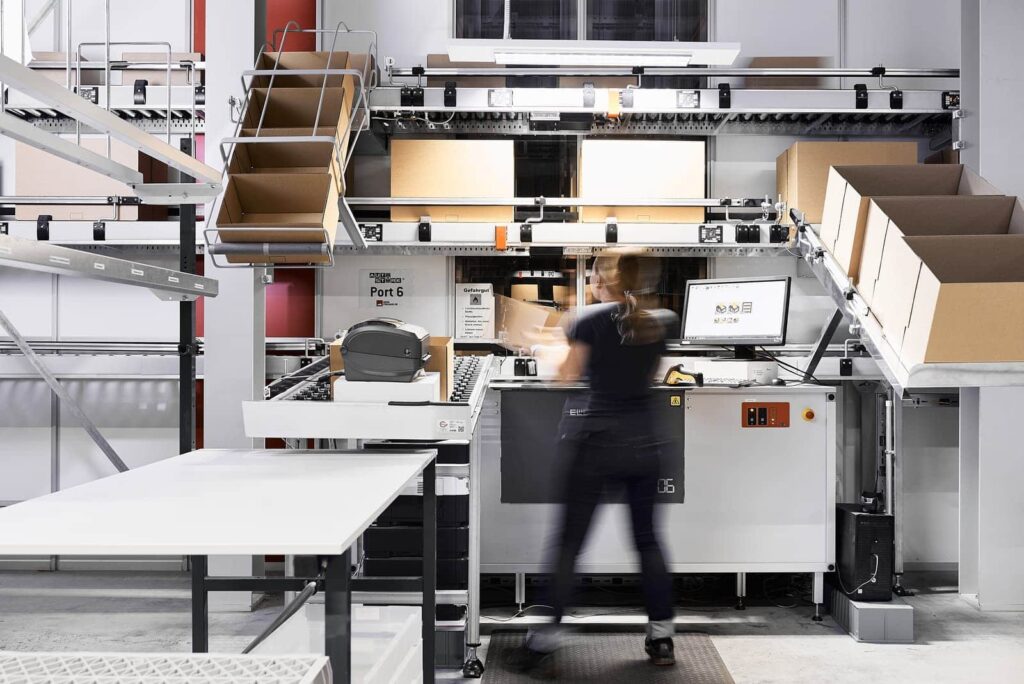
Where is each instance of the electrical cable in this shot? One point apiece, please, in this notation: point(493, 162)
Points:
point(869, 580)
point(788, 366)
point(518, 613)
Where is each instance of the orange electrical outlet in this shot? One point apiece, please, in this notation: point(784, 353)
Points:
point(764, 414)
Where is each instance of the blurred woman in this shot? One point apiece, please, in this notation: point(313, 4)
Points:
point(610, 438)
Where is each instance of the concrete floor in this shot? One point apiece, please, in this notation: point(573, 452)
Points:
point(150, 612)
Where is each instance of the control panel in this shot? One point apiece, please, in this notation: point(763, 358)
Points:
point(768, 414)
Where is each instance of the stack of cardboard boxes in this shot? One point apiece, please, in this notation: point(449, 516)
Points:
point(288, 192)
point(937, 254)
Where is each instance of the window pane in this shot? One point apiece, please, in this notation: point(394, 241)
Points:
point(537, 19)
point(675, 20)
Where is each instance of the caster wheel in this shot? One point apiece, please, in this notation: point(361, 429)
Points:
point(817, 618)
point(473, 669)
point(740, 605)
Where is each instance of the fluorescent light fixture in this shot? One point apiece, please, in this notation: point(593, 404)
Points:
point(603, 53)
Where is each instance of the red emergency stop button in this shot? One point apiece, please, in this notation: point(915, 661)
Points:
point(808, 414)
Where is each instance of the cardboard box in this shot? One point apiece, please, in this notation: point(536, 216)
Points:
point(801, 172)
point(562, 294)
point(786, 82)
point(520, 325)
point(157, 76)
point(40, 174)
point(850, 188)
point(526, 292)
point(442, 362)
point(294, 108)
point(453, 168)
point(89, 76)
point(281, 208)
point(959, 298)
point(892, 218)
point(443, 62)
point(642, 169)
point(296, 61)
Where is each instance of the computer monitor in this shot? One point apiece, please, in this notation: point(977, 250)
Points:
point(740, 312)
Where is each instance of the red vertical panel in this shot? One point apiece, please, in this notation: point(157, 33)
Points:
point(199, 26)
point(291, 303)
point(302, 12)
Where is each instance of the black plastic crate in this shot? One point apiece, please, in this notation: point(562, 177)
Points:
point(452, 511)
point(407, 542)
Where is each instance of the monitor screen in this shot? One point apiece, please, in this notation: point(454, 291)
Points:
point(748, 311)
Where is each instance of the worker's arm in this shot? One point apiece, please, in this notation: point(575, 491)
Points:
point(575, 363)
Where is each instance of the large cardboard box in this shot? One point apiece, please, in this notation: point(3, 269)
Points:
point(442, 61)
point(642, 169)
point(453, 168)
point(40, 174)
point(89, 76)
point(786, 82)
point(891, 218)
point(294, 108)
point(850, 188)
point(520, 325)
point(956, 299)
point(801, 172)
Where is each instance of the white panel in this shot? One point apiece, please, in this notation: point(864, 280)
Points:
point(918, 34)
point(27, 299)
point(407, 30)
point(138, 418)
point(427, 307)
point(90, 309)
point(968, 558)
point(24, 439)
point(931, 480)
point(130, 20)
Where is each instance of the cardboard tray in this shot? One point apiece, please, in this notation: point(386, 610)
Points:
point(279, 207)
point(850, 188)
point(957, 299)
point(889, 219)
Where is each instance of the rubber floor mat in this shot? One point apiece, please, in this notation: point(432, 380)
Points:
point(613, 657)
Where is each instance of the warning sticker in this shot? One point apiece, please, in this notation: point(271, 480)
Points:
point(452, 427)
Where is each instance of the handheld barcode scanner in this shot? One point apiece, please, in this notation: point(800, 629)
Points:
point(680, 376)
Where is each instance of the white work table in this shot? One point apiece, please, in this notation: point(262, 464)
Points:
point(248, 502)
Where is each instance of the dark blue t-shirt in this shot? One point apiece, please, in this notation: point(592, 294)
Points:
point(619, 377)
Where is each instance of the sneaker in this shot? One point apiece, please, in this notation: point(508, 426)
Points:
point(661, 651)
point(525, 660)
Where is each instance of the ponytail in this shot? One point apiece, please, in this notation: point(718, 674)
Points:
point(635, 278)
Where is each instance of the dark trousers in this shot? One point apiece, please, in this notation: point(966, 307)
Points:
point(593, 469)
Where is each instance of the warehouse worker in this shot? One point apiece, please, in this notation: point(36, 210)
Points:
point(610, 438)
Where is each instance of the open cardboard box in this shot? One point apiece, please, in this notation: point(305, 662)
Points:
point(453, 168)
point(294, 108)
point(642, 169)
point(850, 188)
point(802, 171)
point(521, 325)
point(956, 299)
point(279, 208)
point(889, 219)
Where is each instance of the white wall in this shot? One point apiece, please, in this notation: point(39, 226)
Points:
point(407, 30)
point(130, 20)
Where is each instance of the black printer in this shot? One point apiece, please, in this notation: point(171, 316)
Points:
point(384, 350)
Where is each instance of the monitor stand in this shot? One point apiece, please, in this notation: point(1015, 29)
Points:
point(744, 352)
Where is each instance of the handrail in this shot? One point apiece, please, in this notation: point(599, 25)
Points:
point(721, 72)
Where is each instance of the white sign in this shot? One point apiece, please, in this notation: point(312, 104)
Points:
point(452, 427)
point(474, 304)
point(384, 288)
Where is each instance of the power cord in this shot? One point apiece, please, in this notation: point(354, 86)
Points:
point(869, 580)
point(791, 368)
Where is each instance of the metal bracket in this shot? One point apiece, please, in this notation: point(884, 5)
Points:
point(139, 91)
point(43, 227)
point(526, 233)
point(200, 95)
point(589, 97)
point(99, 231)
point(822, 344)
point(611, 232)
point(5, 228)
point(724, 96)
point(423, 232)
point(860, 96)
point(451, 96)
point(895, 99)
point(411, 96)
point(62, 393)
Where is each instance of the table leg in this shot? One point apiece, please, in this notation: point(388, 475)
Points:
point(200, 606)
point(338, 616)
point(429, 568)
